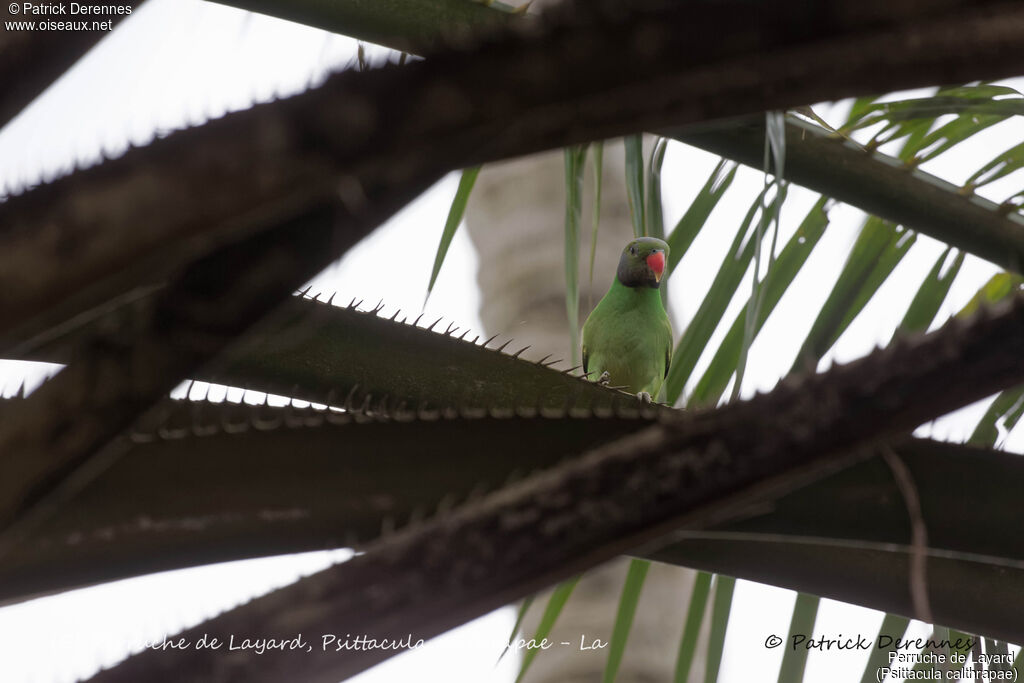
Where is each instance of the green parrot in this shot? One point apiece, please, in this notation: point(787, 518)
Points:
point(627, 339)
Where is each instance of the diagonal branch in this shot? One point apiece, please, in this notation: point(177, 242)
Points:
point(77, 243)
point(211, 484)
point(878, 184)
point(208, 486)
point(828, 165)
point(693, 470)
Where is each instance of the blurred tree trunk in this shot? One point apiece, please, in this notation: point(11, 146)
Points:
point(516, 220)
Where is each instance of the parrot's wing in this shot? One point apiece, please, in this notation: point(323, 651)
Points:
point(586, 357)
point(668, 346)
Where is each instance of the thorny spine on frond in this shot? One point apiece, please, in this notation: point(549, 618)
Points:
point(320, 307)
point(188, 418)
point(375, 312)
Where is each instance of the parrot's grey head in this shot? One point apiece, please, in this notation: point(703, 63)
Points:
point(643, 263)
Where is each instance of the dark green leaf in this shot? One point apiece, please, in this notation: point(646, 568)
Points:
point(635, 182)
point(624, 617)
point(998, 648)
point(655, 217)
point(930, 671)
point(709, 314)
point(893, 628)
point(930, 295)
point(721, 608)
point(861, 107)
point(774, 161)
point(598, 177)
point(691, 627)
point(455, 214)
point(682, 236)
point(945, 137)
point(964, 100)
point(794, 659)
point(876, 253)
point(574, 164)
point(999, 286)
point(964, 638)
point(791, 259)
point(1003, 165)
point(554, 607)
point(524, 607)
point(1004, 412)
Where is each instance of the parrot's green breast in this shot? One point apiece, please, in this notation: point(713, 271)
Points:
point(628, 335)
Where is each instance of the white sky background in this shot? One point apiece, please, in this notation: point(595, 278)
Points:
point(179, 62)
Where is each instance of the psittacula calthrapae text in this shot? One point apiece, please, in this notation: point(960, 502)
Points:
point(627, 339)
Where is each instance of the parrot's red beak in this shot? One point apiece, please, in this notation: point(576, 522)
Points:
point(656, 262)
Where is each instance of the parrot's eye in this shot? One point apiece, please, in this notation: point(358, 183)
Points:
point(632, 250)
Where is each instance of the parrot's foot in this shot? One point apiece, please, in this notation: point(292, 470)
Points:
point(604, 378)
point(644, 396)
